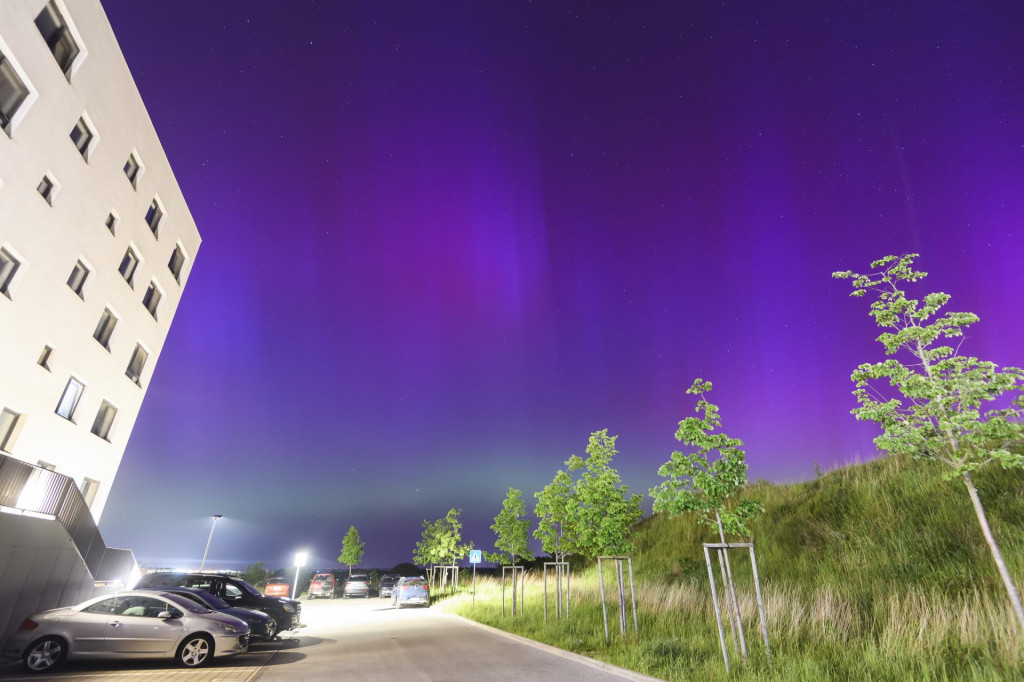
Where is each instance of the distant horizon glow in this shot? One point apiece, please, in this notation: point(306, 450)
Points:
point(445, 242)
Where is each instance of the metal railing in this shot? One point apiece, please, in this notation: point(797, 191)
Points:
point(36, 491)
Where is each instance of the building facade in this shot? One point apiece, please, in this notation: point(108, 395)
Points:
point(96, 243)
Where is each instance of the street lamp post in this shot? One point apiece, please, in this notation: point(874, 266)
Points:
point(209, 540)
point(300, 561)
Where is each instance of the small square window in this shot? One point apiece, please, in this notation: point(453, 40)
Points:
point(154, 215)
point(89, 489)
point(8, 267)
point(176, 263)
point(69, 399)
point(133, 169)
point(82, 136)
point(137, 364)
point(57, 36)
point(128, 265)
point(77, 279)
point(104, 419)
point(105, 328)
point(47, 189)
point(152, 298)
point(44, 358)
point(10, 425)
point(13, 93)
point(111, 222)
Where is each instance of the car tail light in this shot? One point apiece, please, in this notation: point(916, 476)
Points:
point(28, 624)
point(426, 588)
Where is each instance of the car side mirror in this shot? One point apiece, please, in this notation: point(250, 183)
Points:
point(165, 615)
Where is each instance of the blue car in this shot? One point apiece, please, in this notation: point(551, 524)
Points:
point(411, 590)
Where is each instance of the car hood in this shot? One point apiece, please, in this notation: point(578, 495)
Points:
point(222, 617)
point(281, 600)
point(53, 613)
point(246, 614)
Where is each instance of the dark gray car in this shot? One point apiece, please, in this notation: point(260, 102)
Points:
point(235, 591)
point(261, 626)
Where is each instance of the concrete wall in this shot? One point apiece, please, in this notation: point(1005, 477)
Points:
point(40, 568)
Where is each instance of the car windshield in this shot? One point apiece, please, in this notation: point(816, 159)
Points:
point(186, 602)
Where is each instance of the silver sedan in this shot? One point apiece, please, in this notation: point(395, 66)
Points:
point(131, 624)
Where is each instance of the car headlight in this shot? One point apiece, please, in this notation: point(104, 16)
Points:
point(231, 629)
point(289, 608)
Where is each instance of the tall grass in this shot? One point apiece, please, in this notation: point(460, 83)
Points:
point(870, 572)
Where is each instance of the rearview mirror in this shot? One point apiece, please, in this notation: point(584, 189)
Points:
point(165, 615)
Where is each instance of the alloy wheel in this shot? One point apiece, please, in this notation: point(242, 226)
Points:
point(44, 654)
point(194, 652)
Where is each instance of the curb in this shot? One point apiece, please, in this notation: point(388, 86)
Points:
point(572, 656)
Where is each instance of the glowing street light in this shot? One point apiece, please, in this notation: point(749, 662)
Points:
point(209, 540)
point(300, 561)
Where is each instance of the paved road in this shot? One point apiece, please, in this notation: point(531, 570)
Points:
point(366, 640)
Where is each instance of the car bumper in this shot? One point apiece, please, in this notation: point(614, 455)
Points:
point(422, 601)
point(15, 646)
point(260, 634)
point(230, 645)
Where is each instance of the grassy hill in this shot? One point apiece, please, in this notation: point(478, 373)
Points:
point(875, 571)
point(890, 524)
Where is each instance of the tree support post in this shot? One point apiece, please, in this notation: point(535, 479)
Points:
point(718, 613)
point(558, 570)
point(516, 572)
point(619, 577)
point(723, 548)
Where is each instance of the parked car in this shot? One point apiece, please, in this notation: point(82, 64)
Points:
point(411, 590)
point(323, 585)
point(387, 585)
point(357, 585)
point(261, 626)
point(130, 624)
point(287, 613)
point(278, 587)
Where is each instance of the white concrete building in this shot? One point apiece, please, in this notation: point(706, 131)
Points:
point(96, 243)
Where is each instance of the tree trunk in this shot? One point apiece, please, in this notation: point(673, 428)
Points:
point(1011, 589)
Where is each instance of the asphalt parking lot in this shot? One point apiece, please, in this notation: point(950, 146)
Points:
point(365, 640)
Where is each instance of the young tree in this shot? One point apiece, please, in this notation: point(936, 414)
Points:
point(601, 514)
point(512, 530)
point(697, 484)
point(351, 549)
point(930, 406)
point(256, 574)
point(553, 503)
point(426, 552)
point(450, 547)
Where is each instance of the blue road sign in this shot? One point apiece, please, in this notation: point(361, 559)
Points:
point(475, 556)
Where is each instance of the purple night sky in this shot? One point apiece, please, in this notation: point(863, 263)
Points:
point(444, 241)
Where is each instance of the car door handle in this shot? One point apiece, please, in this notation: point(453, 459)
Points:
point(115, 624)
